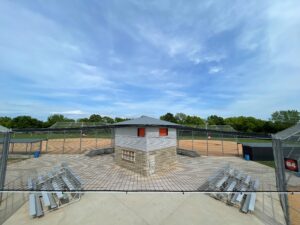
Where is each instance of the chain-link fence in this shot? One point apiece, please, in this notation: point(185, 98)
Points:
point(61, 141)
point(217, 143)
point(102, 173)
point(286, 148)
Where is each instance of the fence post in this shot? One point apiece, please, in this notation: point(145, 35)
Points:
point(207, 143)
point(237, 145)
point(80, 141)
point(47, 141)
point(222, 136)
point(192, 140)
point(3, 165)
point(280, 177)
point(64, 141)
point(96, 138)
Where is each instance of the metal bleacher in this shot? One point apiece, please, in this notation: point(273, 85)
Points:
point(235, 188)
point(53, 190)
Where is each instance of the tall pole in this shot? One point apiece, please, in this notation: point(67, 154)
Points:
point(222, 144)
point(80, 141)
point(207, 143)
point(3, 165)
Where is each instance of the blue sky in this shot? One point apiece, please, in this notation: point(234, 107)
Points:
point(131, 58)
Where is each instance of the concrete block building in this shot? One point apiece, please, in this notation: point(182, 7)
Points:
point(145, 145)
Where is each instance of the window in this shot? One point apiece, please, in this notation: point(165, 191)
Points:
point(141, 132)
point(163, 131)
point(128, 155)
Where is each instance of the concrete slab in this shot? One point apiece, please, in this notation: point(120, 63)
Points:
point(141, 209)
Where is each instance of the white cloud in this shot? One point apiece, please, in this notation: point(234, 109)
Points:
point(215, 69)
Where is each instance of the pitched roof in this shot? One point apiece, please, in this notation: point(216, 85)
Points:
point(145, 121)
point(3, 129)
point(292, 131)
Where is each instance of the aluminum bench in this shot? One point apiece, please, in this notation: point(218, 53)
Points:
point(46, 199)
point(245, 206)
point(240, 196)
point(53, 204)
point(256, 185)
point(221, 182)
point(247, 180)
point(231, 186)
point(32, 206)
point(252, 202)
point(68, 183)
point(30, 184)
point(56, 187)
point(38, 205)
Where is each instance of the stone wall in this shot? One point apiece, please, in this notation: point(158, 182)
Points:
point(147, 163)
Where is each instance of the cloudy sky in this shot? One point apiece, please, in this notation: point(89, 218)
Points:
point(131, 58)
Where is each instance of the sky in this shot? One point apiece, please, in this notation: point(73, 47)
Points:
point(132, 58)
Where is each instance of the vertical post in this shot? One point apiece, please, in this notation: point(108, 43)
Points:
point(280, 177)
point(237, 145)
point(12, 147)
point(64, 141)
point(30, 147)
point(80, 141)
point(3, 164)
point(222, 136)
point(112, 131)
point(207, 143)
point(192, 140)
point(96, 138)
point(26, 147)
point(47, 141)
point(177, 138)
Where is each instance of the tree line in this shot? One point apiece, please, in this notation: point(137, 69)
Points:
point(279, 120)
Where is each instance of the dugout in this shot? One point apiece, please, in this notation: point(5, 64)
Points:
point(258, 151)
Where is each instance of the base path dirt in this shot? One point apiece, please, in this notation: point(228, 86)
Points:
point(212, 147)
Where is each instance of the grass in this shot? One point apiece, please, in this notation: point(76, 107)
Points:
point(267, 163)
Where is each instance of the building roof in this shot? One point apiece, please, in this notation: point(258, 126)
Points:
point(257, 144)
point(146, 121)
point(289, 132)
point(24, 140)
point(4, 129)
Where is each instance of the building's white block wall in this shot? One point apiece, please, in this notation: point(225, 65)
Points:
point(127, 137)
point(154, 141)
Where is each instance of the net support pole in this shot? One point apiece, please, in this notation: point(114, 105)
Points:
point(222, 136)
point(80, 141)
point(96, 138)
point(192, 140)
point(64, 141)
point(237, 146)
point(3, 161)
point(206, 143)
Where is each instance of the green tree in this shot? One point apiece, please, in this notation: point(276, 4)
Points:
point(83, 120)
point(290, 117)
point(119, 119)
point(194, 121)
point(107, 119)
point(169, 117)
point(6, 121)
point(52, 119)
point(26, 122)
point(180, 118)
point(215, 120)
point(95, 118)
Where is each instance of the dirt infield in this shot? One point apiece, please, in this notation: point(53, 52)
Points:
point(75, 146)
point(294, 207)
point(212, 147)
point(67, 146)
